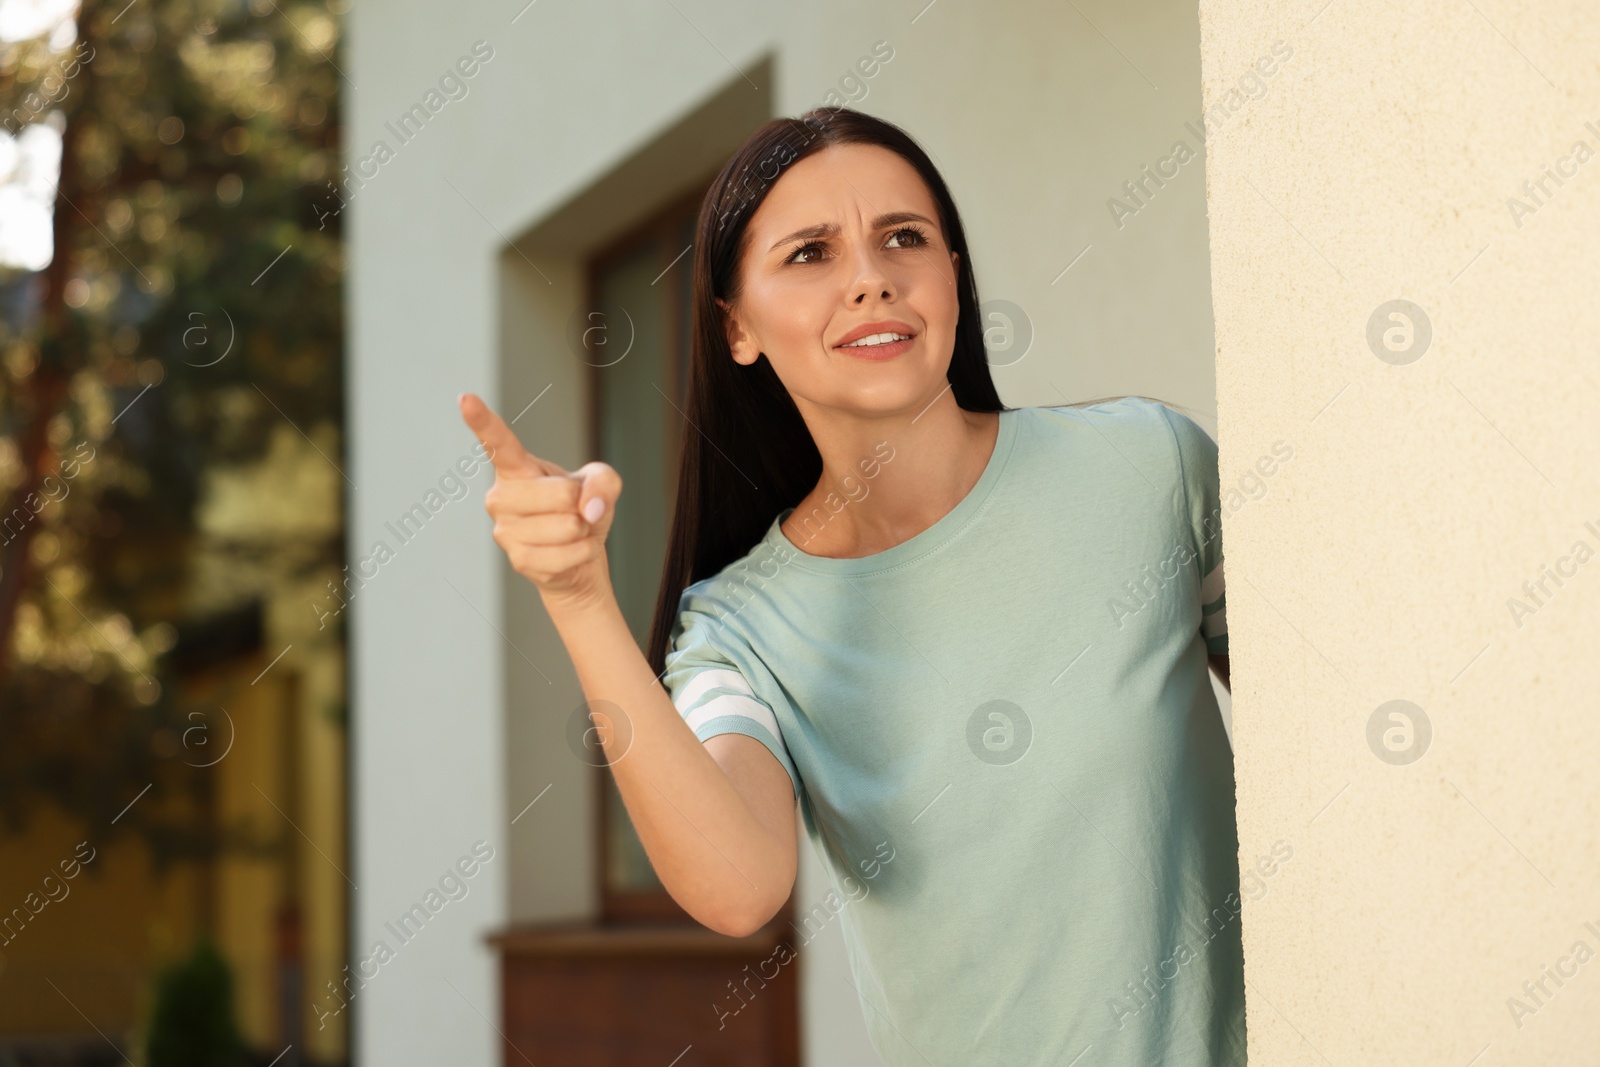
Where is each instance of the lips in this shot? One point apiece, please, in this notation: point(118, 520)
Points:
point(870, 328)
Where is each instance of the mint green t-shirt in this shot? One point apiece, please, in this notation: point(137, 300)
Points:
point(1006, 748)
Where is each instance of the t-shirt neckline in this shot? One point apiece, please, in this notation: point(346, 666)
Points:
point(919, 544)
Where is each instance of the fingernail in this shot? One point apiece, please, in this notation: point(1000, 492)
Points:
point(594, 509)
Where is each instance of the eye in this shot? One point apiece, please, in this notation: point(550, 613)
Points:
point(809, 246)
point(917, 238)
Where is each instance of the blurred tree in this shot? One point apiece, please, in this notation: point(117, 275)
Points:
point(191, 1018)
point(189, 308)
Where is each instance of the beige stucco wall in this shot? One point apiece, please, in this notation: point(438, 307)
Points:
point(1384, 559)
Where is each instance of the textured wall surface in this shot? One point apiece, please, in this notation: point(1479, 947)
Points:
point(1405, 276)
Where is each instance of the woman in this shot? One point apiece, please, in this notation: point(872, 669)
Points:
point(970, 641)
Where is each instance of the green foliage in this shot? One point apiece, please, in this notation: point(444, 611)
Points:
point(201, 137)
point(191, 1020)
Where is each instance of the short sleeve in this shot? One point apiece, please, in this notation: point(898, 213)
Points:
point(713, 694)
point(1197, 462)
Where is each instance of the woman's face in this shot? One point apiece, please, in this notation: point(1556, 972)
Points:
point(848, 241)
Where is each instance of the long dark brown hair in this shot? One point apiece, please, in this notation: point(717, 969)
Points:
point(747, 453)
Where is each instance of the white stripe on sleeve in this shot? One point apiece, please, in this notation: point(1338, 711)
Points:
point(742, 703)
point(729, 704)
point(711, 678)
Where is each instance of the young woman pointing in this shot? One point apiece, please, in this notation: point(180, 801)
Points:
point(970, 642)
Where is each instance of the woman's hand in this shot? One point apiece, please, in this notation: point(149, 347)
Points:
point(552, 524)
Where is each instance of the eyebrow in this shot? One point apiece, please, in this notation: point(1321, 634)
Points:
point(830, 229)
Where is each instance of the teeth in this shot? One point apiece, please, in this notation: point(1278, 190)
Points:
point(878, 339)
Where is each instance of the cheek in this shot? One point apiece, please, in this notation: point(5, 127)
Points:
point(804, 322)
point(934, 299)
point(795, 317)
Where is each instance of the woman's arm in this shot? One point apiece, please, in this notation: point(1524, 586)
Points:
point(719, 830)
point(716, 819)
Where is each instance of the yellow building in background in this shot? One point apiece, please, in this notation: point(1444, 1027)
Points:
point(260, 764)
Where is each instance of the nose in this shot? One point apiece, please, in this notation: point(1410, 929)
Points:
point(870, 278)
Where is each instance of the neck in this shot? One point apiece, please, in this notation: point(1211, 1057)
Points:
point(887, 478)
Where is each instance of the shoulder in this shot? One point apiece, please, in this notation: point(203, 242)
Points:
point(726, 605)
point(1132, 413)
point(1134, 427)
point(1126, 444)
point(1192, 439)
point(1132, 416)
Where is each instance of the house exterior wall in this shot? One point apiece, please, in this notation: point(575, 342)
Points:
point(1441, 852)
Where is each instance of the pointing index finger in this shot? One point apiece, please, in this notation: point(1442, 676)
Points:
point(504, 448)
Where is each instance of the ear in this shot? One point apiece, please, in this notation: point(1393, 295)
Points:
point(740, 343)
point(955, 260)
